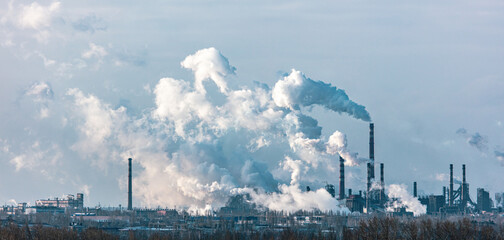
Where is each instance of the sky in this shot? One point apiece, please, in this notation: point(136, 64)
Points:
point(216, 98)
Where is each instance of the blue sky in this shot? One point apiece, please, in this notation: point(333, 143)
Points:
point(423, 71)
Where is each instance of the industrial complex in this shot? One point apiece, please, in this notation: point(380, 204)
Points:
point(239, 213)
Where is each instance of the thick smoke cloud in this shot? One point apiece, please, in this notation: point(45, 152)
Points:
point(400, 197)
point(191, 153)
point(208, 64)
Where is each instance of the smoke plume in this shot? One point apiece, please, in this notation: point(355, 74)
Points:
point(400, 197)
point(297, 90)
point(191, 153)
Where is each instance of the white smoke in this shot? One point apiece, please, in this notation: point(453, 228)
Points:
point(297, 90)
point(194, 154)
point(290, 198)
point(400, 197)
point(208, 64)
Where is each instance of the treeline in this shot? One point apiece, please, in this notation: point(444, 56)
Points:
point(373, 228)
point(423, 229)
point(15, 232)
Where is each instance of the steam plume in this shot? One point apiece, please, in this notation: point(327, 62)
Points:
point(258, 142)
point(401, 198)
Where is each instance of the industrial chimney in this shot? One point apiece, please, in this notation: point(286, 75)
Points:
point(463, 189)
point(415, 190)
point(444, 193)
point(450, 194)
point(130, 192)
point(382, 184)
point(342, 179)
point(370, 164)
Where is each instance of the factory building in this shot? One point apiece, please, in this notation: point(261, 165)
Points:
point(483, 200)
point(69, 202)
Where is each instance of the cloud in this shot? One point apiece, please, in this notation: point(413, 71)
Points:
point(90, 23)
point(40, 92)
point(95, 51)
point(125, 57)
point(445, 177)
point(32, 17)
point(36, 16)
point(476, 140)
point(500, 156)
point(37, 157)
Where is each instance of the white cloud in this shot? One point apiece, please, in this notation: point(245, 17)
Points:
point(40, 91)
point(37, 157)
point(94, 50)
point(36, 16)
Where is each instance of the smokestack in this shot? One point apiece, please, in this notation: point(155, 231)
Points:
point(444, 193)
point(463, 193)
point(415, 189)
point(342, 178)
point(349, 192)
point(450, 194)
point(463, 174)
point(370, 164)
point(382, 183)
point(130, 192)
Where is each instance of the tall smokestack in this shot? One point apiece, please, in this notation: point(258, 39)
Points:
point(382, 184)
point(463, 174)
point(130, 192)
point(415, 190)
point(444, 193)
point(342, 178)
point(370, 164)
point(463, 193)
point(450, 194)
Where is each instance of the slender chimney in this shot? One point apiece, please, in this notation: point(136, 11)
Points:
point(370, 164)
point(450, 194)
point(415, 190)
point(342, 178)
point(463, 188)
point(382, 184)
point(444, 193)
point(130, 192)
point(349, 192)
